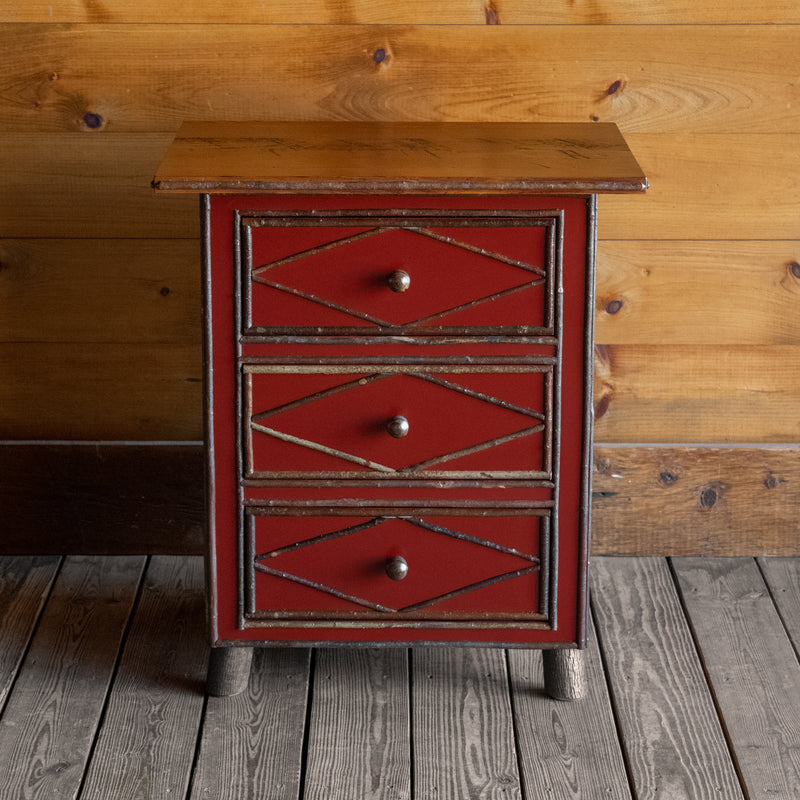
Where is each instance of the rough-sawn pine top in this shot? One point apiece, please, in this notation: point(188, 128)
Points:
point(398, 157)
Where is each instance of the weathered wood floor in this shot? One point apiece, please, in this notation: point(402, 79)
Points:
point(695, 693)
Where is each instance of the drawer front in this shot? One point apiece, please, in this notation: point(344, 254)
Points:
point(313, 358)
point(455, 568)
point(390, 421)
point(399, 275)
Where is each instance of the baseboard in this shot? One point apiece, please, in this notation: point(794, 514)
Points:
point(687, 500)
point(101, 498)
point(111, 498)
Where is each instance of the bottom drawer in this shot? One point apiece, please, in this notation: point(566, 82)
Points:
point(346, 565)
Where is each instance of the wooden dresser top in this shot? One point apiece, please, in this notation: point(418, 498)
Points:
point(398, 158)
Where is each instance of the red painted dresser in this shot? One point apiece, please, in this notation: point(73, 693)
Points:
point(398, 331)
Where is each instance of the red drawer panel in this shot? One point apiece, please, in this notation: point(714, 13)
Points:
point(333, 278)
point(459, 423)
point(335, 567)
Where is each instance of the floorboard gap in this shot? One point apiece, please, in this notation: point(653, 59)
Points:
point(32, 635)
point(411, 779)
point(197, 745)
point(776, 606)
point(613, 700)
point(515, 728)
point(312, 668)
point(709, 683)
point(113, 679)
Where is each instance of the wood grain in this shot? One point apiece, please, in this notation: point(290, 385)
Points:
point(92, 78)
point(252, 744)
point(783, 578)
point(109, 499)
point(463, 729)
point(101, 391)
point(53, 712)
point(73, 186)
point(695, 501)
point(147, 743)
point(359, 731)
point(648, 292)
point(78, 186)
point(100, 290)
point(673, 739)
point(697, 292)
point(387, 158)
point(686, 393)
point(710, 186)
point(752, 667)
point(566, 750)
point(228, 670)
point(25, 582)
point(647, 501)
point(408, 12)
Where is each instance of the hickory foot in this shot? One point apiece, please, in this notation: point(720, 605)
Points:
point(228, 670)
point(564, 674)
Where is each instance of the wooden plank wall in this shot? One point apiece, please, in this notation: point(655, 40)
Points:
point(698, 305)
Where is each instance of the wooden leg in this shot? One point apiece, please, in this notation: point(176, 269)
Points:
point(564, 674)
point(228, 670)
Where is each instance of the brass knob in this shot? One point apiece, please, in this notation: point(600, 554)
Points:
point(399, 281)
point(396, 568)
point(398, 427)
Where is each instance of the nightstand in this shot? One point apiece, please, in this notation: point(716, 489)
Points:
point(398, 363)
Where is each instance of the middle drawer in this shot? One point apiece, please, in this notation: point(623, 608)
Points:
point(417, 421)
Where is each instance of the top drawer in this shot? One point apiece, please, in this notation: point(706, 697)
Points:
point(400, 273)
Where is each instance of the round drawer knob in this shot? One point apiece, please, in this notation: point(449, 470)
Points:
point(399, 281)
point(397, 427)
point(396, 568)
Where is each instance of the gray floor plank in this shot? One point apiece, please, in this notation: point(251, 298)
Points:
point(463, 729)
point(60, 636)
point(752, 666)
point(672, 734)
point(783, 579)
point(24, 584)
point(147, 743)
point(568, 751)
point(53, 711)
point(252, 744)
point(358, 739)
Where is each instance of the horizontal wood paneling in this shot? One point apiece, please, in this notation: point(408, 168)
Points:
point(648, 292)
point(710, 186)
point(698, 282)
point(643, 393)
point(697, 393)
point(137, 499)
point(675, 500)
point(150, 77)
point(80, 186)
point(100, 290)
point(692, 292)
point(113, 391)
point(696, 500)
point(77, 185)
point(406, 12)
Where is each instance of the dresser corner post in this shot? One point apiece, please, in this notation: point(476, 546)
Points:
point(564, 674)
point(228, 670)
